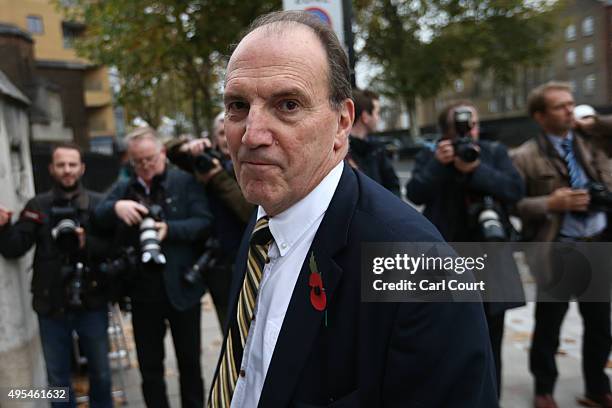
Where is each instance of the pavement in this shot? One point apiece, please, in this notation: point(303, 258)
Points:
point(517, 386)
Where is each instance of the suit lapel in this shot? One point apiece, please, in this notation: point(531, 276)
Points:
point(549, 151)
point(302, 322)
point(585, 157)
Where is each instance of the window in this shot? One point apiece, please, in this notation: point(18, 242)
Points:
point(459, 85)
point(493, 106)
point(570, 32)
point(588, 25)
point(588, 54)
point(589, 84)
point(35, 24)
point(572, 84)
point(570, 57)
point(509, 102)
point(71, 31)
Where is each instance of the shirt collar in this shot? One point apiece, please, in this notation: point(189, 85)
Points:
point(285, 230)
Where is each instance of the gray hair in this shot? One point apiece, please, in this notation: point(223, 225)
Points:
point(143, 133)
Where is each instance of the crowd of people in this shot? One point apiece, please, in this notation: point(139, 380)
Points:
point(269, 215)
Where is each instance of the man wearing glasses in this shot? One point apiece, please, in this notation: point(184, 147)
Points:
point(160, 295)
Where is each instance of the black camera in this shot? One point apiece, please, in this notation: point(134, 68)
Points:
point(65, 222)
point(126, 261)
point(203, 162)
point(74, 274)
point(206, 261)
point(150, 247)
point(601, 197)
point(463, 144)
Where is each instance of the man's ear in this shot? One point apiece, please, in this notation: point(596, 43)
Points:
point(345, 122)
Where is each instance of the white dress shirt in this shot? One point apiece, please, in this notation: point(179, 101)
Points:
point(293, 230)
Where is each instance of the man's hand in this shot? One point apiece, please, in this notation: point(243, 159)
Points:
point(5, 216)
point(565, 199)
point(445, 153)
point(206, 177)
point(465, 167)
point(162, 230)
point(195, 147)
point(130, 211)
point(586, 124)
point(81, 234)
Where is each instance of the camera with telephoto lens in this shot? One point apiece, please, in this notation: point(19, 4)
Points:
point(206, 261)
point(150, 247)
point(65, 222)
point(203, 162)
point(463, 144)
point(488, 220)
point(601, 197)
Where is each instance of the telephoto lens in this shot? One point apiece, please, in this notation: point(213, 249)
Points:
point(149, 243)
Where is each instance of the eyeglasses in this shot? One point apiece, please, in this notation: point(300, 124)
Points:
point(145, 161)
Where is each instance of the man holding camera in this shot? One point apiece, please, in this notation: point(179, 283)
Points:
point(364, 154)
point(457, 182)
point(68, 293)
point(558, 166)
point(212, 166)
point(163, 213)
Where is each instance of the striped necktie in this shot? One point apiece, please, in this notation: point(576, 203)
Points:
point(225, 382)
point(575, 172)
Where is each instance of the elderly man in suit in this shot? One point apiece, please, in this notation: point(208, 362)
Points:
point(299, 334)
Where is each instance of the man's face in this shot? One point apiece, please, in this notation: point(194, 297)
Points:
point(220, 139)
point(558, 117)
point(147, 157)
point(371, 119)
point(66, 167)
point(474, 133)
point(283, 135)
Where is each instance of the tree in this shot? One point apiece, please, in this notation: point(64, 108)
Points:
point(422, 45)
point(162, 47)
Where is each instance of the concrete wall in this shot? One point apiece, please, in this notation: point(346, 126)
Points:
point(21, 362)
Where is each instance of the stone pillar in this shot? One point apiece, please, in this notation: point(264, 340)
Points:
point(21, 362)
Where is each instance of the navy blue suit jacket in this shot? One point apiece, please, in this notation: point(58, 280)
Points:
point(372, 354)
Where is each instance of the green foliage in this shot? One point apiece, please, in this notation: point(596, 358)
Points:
point(168, 53)
point(422, 45)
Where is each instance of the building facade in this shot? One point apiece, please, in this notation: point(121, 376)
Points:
point(583, 58)
point(83, 88)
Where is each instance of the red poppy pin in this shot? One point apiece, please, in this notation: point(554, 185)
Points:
point(317, 291)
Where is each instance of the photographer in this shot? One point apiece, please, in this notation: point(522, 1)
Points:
point(457, 183)
point(68, 292)
point(212, 166)
point(162, 213)
point(560, 167)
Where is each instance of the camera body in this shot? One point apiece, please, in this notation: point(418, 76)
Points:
point(601, 197)
point(150, 246)
point(463, 144)
point(65, 222)
point(203, 162)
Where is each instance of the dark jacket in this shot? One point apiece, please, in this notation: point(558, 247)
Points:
point(371, 158)
point(451, 201)
point(186, 213)
point(48, 281)
point(447, 193)
point(372, 354)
